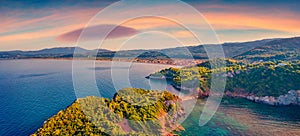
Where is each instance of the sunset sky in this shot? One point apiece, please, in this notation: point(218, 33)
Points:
point(32, 25)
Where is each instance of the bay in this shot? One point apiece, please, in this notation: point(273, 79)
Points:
point(31, 91)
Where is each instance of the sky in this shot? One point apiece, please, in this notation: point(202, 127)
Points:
point(34, 24)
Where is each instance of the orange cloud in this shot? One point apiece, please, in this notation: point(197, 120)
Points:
point(56, 22)
point(231, 17)
point(240, 21)
point(183, 34)
point(247, 17)
point(149, 23)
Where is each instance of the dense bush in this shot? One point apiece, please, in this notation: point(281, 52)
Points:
point(260, 78)
point(141, 109)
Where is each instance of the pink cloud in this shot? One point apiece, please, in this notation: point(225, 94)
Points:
point(50, 24)
point(23, 26)
point(95, 32)
point(250, 17)
point(19, 20)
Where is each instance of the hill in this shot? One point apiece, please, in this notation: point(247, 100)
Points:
point(238, 50)
point(274, 50)
point(131, 112)
point(259, 79)
point(261, 50)
point(59, 52)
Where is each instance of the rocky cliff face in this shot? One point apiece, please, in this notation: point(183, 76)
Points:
point(291, 98)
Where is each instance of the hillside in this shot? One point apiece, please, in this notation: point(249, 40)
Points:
point(59, 52)
point(258, 79)
point(267, 49)
point(130, 112)
point(274, 50)
point(260, 50)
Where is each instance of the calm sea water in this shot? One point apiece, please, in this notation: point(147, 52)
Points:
point(241, 117)
point(31, 91)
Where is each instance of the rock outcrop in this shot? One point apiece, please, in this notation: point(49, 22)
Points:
point(291, 98)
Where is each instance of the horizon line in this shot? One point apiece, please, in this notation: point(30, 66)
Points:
point(261, 39)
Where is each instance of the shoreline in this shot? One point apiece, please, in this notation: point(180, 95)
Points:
point(172, 62)
point(291, 98)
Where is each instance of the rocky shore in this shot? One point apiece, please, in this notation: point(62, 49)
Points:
point(291, 98)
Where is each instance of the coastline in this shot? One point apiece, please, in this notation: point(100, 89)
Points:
point(173, 62)
point(291, 98)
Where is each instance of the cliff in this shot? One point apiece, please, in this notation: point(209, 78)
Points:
point(291, 98)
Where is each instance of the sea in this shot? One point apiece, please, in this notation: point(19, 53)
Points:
point(33, 90)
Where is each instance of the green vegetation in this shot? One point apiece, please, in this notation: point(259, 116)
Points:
point(130, 112)
point(71, 121)
point(261, 78)
point(199, 75)
point(284, 49)
point(266, 78)
point(274, 50)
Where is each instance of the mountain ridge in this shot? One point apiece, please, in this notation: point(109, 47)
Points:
point(276, 48)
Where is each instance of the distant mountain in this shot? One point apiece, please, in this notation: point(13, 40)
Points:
point(241, 50)
point(274, 50)
point(59, 52)
point(266, 50)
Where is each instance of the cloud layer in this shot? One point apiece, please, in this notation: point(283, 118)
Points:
point(30, 25)
point(96, 32)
